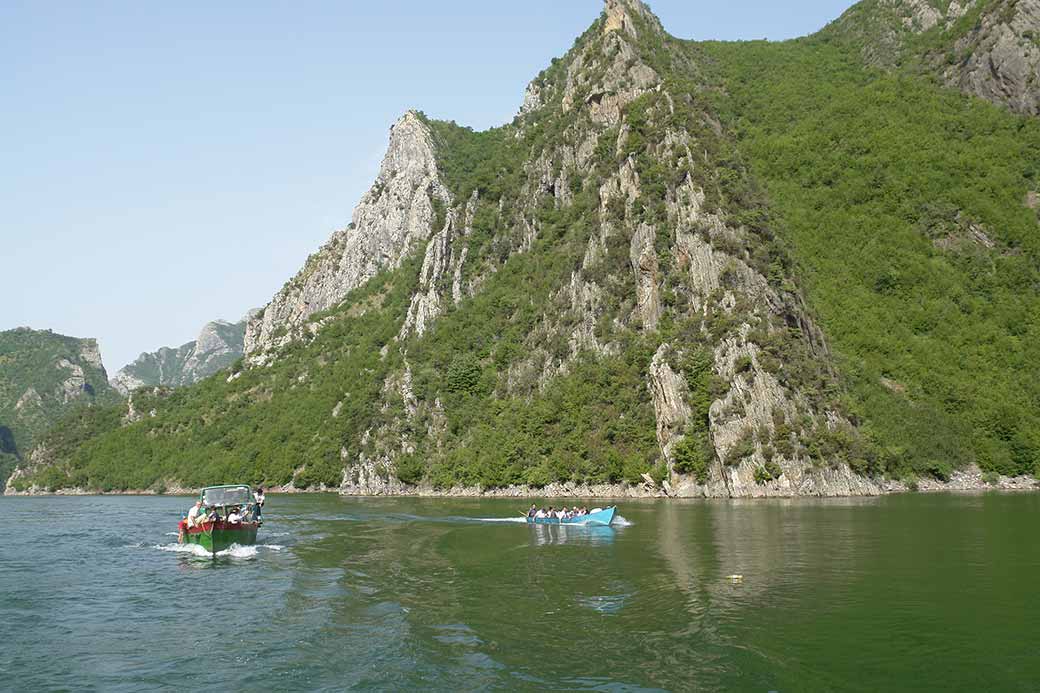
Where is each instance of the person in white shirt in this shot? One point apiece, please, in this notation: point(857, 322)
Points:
point(193, 514)
point(234, 517)
point(258, 508)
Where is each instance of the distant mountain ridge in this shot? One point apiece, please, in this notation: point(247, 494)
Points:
point(218, 345)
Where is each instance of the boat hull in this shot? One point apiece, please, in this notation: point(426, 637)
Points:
point(218, 537)
point(603, 518)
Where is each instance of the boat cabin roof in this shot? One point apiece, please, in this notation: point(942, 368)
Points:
point(231, 494)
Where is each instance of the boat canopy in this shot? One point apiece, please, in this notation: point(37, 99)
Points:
point(218, 496)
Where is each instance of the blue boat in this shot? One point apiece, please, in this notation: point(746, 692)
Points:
point(598, 518)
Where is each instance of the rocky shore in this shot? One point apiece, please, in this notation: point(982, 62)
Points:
point(829, 483)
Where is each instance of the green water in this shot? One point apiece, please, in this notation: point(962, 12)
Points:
point(919, 592)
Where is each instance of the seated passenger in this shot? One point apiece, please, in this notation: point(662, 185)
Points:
point(540, 515)
point(235, 516)
point(533, 511)
point(193, 514)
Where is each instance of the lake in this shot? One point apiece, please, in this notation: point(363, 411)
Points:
point(912, 592)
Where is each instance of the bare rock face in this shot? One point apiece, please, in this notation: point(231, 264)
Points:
point(442, 263)
point(74, 380)
point(670, 392)
point(919, 15)
point(645, 267)
point(395, 215)
point(619, 15)
point(1003, 57)
point(997, 58)
point(426, 303)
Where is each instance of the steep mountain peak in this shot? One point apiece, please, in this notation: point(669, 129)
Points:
point(605, 70)
point(619, 15)
point(396, 214)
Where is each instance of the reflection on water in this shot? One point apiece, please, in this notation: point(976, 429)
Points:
point(462, 594)
point(572, 534)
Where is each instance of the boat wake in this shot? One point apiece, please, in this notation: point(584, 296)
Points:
point(234, 551)
point(620, 521)
point(513, 520)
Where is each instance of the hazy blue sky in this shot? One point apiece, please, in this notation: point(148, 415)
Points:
point(165, 164)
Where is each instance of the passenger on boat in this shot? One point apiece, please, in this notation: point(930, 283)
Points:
point(235, 516)
point(259, 494)
point(193, 514)
point(533, 511)
point(540, 515)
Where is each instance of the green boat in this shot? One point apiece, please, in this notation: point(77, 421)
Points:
point(230, 515)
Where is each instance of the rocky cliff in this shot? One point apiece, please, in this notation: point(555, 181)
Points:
point(998, 57)
point(44, 375)
point(986, 48)
point(396, 215)
point(218, 345)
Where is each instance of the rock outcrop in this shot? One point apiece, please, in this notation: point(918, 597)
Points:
point(394, 217)
point(994, 53)
point(999, 58)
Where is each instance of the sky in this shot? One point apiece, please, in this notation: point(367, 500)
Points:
point(168, 164)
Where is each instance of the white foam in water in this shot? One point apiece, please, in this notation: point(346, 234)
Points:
point(502, 519)
point(620, 521)
point(235, 551)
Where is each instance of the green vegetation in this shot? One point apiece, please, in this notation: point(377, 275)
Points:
point(271, 424)
point(879, 182)
point(767, 472)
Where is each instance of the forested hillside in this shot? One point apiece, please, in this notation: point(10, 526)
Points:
point(912, 213)
point(698, 268)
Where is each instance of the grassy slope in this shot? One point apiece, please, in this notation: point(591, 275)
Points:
point(864, 171)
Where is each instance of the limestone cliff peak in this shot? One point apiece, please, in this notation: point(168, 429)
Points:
point(621, 15)
point(396, 214)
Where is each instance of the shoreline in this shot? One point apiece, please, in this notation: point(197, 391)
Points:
point(966, 481)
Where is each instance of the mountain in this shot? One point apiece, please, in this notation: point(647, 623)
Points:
point(44, 375)
point(696, 269)
point(217, 347)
